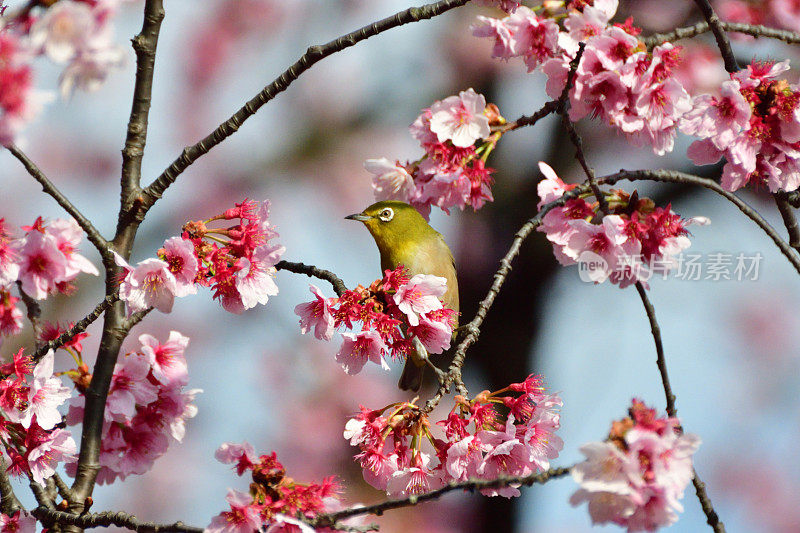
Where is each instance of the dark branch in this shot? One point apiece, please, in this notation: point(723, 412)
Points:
point(32, 310)
point(314, 54)
point(688, 32)
point(109, 518)
point(47, 186)
point(719, 35)
point(326, 520)
point(660, 359)
point(9, 504)
point(79, 327)
point(144, 44)
point(712, 519)
point(312, 271)
point(789, 220)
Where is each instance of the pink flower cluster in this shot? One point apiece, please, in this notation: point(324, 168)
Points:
point(29, 400)
point(147, 406)
point(457, 138)
point(44, 260)
point(630, 243)
point(617, 80)
point(524, 34)
point(754, 124)
point(75, 33)
point(479, 442)
point(636, 478)
point(78, 33)
point(382, 313)
point(237, 262)
point(19, 103)
point(274, 499)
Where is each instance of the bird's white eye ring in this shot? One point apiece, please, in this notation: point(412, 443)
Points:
point(387, 214)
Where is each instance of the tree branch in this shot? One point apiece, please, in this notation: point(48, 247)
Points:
point(9, 504)
point(314, 54)
point(721, 37)
point(144, 44)
point(109, 518)
point(47, 186)
point(79, 327)
point(329, 519)
point(661, 361)
point(312, 271)
point(705, 503)
point(789, 219)
point(753, 30)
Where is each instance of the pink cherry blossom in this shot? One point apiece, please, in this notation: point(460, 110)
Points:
point(68, 235)
point(360, 348)
point(10, 315)
point(167, 359)
point(242, 518)
point(255, 276)
point(242, 455)
point(464, 457)
point(20, 522)
point(420, 295)
point(533, 38)
point(416, 479)
point(42, 265)
point(89, 69)
point(46, 394)
point(495, 29)
point(435, 335)
point(149, 284)
point(316, 314)
point(19, 103)
point(637, 484)
point(460, 119)
point(46, 449)
point(390, 181)
point(129, 387)
point(178, 253)
point(63, 30)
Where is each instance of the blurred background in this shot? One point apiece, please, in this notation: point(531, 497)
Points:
point(731, 346)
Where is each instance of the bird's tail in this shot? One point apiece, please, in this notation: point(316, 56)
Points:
point(411, 379)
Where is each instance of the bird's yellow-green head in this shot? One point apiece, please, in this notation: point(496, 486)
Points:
point(397, 228)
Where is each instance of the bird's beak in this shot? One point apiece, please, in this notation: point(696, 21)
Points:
point(358, 216)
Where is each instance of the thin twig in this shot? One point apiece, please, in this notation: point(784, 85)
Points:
point(79, 327)
point(326, 520)
point(314, 54)
point(789, 220)
point(109, 518)
point(547, 109)
point(753, 30)
point(712, 519)
point(33, 312)
point(312, 271)
point(720, 36)
point(47, 186)
point(661, 361)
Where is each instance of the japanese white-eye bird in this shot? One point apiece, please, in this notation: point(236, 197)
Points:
point(404, 237)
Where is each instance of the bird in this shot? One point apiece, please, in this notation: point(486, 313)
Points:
point(404, 237)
